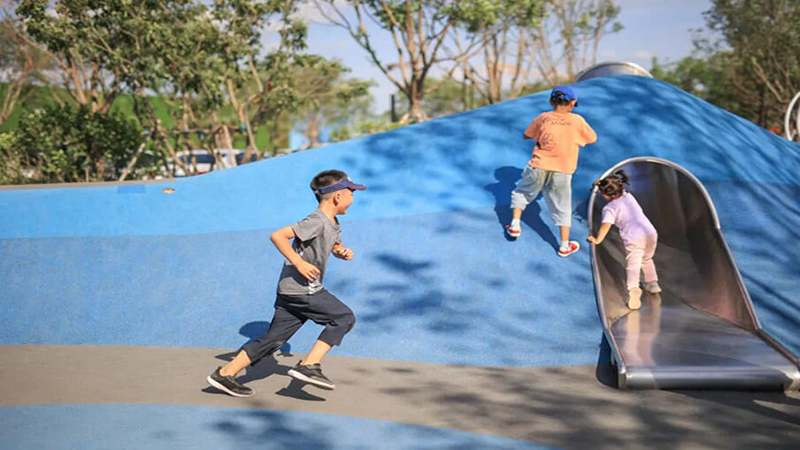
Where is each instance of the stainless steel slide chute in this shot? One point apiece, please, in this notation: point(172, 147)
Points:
point(611, 69)
point(701, 331)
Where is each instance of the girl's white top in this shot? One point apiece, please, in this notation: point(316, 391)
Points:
point(627, 215)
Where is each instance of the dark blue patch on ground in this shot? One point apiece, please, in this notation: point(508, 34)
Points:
point(170, 427)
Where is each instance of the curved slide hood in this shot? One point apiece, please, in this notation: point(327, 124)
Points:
point(701, 331)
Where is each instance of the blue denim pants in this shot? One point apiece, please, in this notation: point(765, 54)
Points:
point(556, 188)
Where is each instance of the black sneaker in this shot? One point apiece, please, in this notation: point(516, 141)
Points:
point(229, 385)
point(311, 374)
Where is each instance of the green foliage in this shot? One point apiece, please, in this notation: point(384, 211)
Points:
point(448, 97)
point(22, 65)
point(324, 96)
point(533, 88)
point(477, 15)
point(194, 54)
point(761, 45)
point(473, 13)
point(708, 78)
point(362, 127)
point(135, 41)
point(6, 141)
point(11, 161)
point(69, 144)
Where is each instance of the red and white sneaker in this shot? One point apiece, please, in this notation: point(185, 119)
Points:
point(513, 231)
point(573, 247)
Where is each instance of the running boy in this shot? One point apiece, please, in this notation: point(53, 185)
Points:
point(558, 134)
point(300, 293)
point(637, 232)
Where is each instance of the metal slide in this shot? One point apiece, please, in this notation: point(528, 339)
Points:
point(701, 332)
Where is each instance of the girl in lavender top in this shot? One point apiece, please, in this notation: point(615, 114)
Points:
point(638, 235)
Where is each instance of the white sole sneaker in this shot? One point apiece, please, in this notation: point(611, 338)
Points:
point(299, 376)
point(222, 388)
point(574, 246)
point(635, 298)
point(513, 232)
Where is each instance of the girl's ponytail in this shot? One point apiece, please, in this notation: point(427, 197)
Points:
point(622, 176)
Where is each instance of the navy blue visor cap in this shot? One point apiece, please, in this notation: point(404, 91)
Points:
point(347, 183)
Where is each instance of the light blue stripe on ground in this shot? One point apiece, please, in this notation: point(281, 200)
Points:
point(153, 427)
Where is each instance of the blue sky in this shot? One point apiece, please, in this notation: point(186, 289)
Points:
point(658, 28)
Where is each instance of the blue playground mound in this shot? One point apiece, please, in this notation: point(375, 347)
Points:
point(434, 278)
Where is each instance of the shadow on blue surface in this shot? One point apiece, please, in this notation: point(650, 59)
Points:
point(169, 427)
point(507, 178)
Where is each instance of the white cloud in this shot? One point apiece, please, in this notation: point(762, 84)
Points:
point(643, 54)
point(310, 11)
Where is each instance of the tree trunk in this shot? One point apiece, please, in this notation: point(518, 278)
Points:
point(762, 110)
point(133, 160)
point(312, 130)
point(100, 166)
point(13, 91)
point(415, 111)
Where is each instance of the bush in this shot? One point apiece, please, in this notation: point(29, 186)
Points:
point(10, 161)
point(362, 128)
point(73, 144)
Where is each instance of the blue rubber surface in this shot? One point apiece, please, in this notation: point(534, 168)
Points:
point(448, 303)
point(168, 427)
point(435, 166)
point(434, 278)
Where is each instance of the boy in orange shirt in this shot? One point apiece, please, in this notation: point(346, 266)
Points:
point(558, 134)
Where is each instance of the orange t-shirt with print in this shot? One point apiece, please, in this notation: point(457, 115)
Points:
point(558, 136)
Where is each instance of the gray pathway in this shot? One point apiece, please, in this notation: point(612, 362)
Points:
point(569, 407)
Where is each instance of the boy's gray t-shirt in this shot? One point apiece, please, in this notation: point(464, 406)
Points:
point(315, 237)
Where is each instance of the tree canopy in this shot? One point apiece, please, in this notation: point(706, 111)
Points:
point(747, 60)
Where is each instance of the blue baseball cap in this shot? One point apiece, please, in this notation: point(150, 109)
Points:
point(565, 92)
point(346, 183)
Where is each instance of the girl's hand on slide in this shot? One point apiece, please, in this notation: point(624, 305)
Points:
point(592, 239)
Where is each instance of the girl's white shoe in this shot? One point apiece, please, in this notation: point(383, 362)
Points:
point(635, 298)
point(652, 287)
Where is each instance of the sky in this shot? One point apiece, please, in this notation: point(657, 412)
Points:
point(659, 28)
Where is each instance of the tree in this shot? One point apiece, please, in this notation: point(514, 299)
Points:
point(708, 77)
point(201, 56)
point(23, 64)
point(71, 143)
point(419, 29)
point(104, 48)
point(504, 32)
point(763, 38)
point(325, 97)
point(362, 126)
point(100, 46)
point(12, 170)
point(578, 27)
point(450, 97)
point(259, 91)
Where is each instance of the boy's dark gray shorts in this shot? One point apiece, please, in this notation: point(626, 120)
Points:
point(292, 311)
